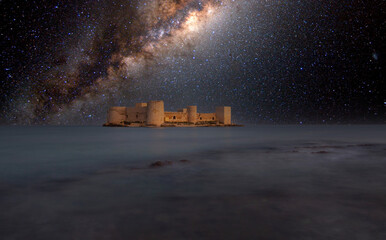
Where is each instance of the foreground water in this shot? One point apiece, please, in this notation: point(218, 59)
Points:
point(263, 182)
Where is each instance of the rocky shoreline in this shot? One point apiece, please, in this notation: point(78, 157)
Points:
point(171, 125)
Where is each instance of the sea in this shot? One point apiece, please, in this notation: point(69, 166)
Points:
point(252, 182)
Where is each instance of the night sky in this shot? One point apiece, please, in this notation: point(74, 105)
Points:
point(285, 62)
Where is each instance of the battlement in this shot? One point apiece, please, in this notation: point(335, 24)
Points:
point(154, 114)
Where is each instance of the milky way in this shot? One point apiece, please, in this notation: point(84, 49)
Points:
point(272, 61)
point(126, 47)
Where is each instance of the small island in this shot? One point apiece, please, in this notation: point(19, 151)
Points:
point(152, 114)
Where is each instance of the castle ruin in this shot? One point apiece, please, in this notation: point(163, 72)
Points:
point(154, 114)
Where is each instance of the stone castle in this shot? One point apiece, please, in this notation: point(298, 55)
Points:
point(153, 114)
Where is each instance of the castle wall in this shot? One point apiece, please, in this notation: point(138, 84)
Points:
point(223, 115)
point(176, 117)
point(155, 113)
point(136, 114)
point(206, 117)
point(141, 105)
point(116, 115)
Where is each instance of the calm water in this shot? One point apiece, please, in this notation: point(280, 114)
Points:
point(263, 182)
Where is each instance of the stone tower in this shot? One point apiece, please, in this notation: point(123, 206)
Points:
point(192, 114)
point(116, 115)
point(223, 115)
point(155, 113)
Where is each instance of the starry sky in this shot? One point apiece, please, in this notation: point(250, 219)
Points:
point(281, 62)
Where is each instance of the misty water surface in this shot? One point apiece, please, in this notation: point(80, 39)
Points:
point(262, 182)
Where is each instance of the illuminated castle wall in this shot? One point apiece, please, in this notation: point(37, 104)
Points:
point(153, 114)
